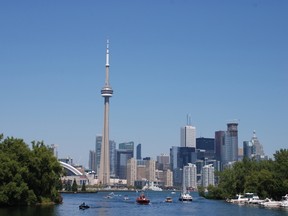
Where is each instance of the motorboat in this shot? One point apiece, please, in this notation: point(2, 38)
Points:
point(169, 200)
point(126, 197)
point(143, 200)
point(185, 196)
point(83, 206)
point(253, 199)
point(151, 186)
point(270, 203)
point(284, 201)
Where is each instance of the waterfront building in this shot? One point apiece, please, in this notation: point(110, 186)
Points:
point(190, 176)
point(208, 175)
point(168, 178)
point(106, 92)
point(131, 171)
point(138, 152)
point(150, 170)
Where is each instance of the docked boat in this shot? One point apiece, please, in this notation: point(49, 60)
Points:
point(253, 199)
point(142, 199)
point(248, 198)
point(284, 201)
point(83, 206)
point(270, 203)
point(169, 199)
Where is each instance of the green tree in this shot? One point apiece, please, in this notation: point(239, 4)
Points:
point(83, 188)
point(74, 186)
point(27, 176)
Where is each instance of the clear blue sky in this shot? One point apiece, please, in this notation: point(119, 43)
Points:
point(217, 60)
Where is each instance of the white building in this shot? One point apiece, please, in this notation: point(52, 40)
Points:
point(208, 175)
point(190, 176)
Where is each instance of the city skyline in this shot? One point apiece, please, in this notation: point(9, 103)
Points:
point(217, 61)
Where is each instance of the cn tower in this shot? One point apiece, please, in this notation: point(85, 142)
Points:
point(106, 92)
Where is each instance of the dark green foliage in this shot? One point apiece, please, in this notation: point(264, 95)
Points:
point(267, 178)
point(27, 175)
point(83, 188)
point(74, 186)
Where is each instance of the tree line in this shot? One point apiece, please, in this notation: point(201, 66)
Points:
point(28, 176)
point(267, 178)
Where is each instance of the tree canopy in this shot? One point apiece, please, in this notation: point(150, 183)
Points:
point(27, 176)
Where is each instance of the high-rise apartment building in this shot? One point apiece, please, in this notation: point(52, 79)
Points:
point(208, 175)
point(190, 176)
point(150, 170)
point(131, 171)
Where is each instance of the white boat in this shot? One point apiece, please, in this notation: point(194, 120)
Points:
point(253, 198)
point(151, 186)
point(270, 203)
point(239, 199)
point(185, 196)
point(284, 202)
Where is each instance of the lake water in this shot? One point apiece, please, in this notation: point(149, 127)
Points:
point(99, 205)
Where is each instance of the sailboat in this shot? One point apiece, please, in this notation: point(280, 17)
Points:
point(184, 195)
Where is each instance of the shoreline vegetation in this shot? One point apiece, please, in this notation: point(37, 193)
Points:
point(29, 176)
point(266, 178)
point(32, 176)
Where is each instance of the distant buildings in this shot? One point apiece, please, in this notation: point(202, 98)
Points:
point(188, 135)
point(253, 149)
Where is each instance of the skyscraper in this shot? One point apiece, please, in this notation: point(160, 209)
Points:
point(106, 92)
point(138, 152)
point(229, 149)
point(188, 135)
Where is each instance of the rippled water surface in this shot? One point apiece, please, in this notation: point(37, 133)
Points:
point(100, 205)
